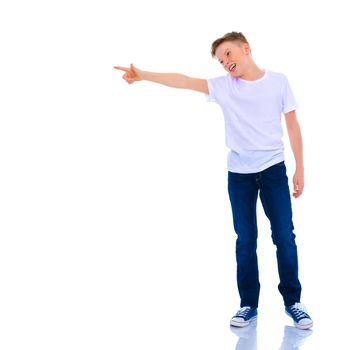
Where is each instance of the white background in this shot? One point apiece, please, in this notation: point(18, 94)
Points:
point(116, 228)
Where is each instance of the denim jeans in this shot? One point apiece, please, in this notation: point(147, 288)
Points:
point(272, 186)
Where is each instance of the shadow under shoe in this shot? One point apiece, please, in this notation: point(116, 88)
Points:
point(247, 336)
point(294, 337)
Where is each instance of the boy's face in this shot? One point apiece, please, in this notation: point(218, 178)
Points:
point(233, 55)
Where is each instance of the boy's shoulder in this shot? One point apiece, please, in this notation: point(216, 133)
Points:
point(275, 78)
point(277, 75)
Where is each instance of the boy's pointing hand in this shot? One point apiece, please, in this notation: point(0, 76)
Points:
point(131, 74)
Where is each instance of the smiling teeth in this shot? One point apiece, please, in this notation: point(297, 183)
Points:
point(232, 66)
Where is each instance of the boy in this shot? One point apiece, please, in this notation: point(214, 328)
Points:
point(252, 101)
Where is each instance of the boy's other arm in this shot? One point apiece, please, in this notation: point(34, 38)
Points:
point(174, 80)
point(296, 143)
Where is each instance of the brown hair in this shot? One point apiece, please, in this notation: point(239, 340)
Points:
point(233, 36)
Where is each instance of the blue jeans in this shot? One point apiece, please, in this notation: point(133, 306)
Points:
point(272, 186)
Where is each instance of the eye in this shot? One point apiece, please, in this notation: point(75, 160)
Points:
point(228, 53)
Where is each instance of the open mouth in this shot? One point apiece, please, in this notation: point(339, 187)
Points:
point(232, 67)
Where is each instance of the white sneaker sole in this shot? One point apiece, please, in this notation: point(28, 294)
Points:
point(303, 326)
point(242, 323)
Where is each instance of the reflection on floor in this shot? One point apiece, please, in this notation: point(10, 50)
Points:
point(247, 337)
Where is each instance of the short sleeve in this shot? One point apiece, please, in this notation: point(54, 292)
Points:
point(288, 100)
point(216, 87)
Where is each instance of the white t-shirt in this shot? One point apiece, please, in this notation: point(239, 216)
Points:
point(252, 111)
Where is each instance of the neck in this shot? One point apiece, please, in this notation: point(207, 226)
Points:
point(253, 72)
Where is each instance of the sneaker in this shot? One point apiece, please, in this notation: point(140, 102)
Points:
point(244, 316)
point(298, 313)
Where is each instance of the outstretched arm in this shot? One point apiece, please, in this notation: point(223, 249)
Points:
point(296, 143)
point(174, 80)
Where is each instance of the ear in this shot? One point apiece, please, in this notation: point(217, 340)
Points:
point(246, 48)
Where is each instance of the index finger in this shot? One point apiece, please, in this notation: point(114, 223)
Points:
point(122, 68)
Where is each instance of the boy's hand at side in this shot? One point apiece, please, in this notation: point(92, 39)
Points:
point(298, 183)
point(131, 74)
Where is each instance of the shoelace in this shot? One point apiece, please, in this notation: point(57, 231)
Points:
point(299, 311)
point(243, 312)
